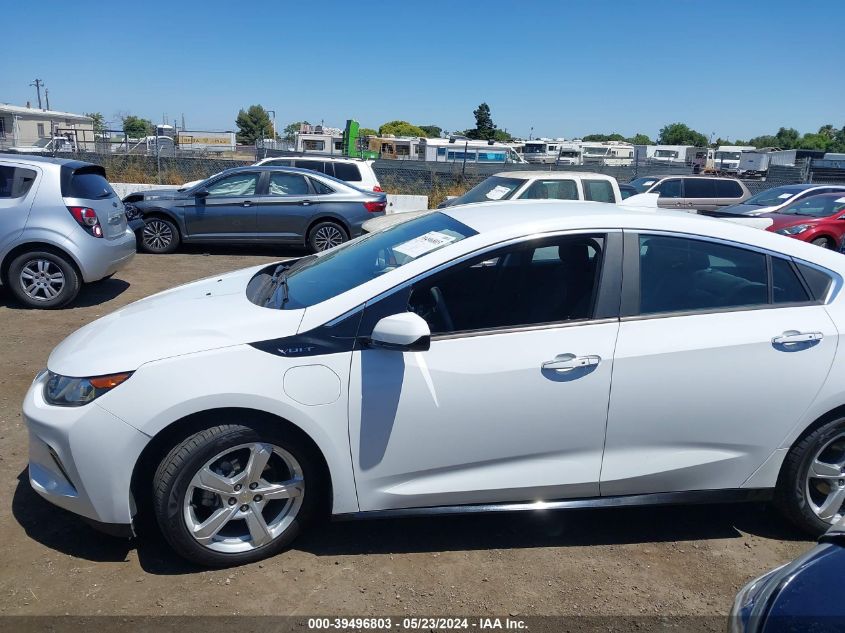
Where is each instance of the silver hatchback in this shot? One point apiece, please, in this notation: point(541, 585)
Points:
point(61, 224)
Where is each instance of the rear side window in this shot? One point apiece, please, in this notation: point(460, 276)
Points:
point(728, 189)
point(15, 182)
point(347, 171)
point(699, 188)
point(786, 285)
point(598, 191)
point(88, 185)
point(285, 184)
point(313, 165)
point(818, 281)
point(551, 190)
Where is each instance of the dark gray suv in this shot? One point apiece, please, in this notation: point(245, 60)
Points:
point(257, 204)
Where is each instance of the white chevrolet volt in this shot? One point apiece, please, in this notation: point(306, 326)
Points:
point(497, 356)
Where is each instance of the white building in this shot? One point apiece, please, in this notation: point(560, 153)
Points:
point(25, 126)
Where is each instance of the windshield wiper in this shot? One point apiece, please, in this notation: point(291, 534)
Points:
point(279, 279)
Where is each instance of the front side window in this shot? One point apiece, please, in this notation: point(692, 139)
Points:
point(15, 182)
point(285, 184)
point(681, 275)
point(551, 190)
point(550, 280)
point(669, 189)
point(598, 191)
point(817, 206)
point(235, 185)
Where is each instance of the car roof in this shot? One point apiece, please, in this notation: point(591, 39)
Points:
point(551, 175)
point(331, 159)
point(43, 160)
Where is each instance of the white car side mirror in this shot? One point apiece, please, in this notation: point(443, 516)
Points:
point(405, 332)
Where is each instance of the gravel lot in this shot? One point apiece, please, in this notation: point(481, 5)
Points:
point(664, 561)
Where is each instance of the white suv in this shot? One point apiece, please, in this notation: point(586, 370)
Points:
point(358, 173)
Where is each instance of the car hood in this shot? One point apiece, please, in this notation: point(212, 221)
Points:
point(161, 194)
point(746, 209)
point(392, 219)
point(781, 220)
point(203, 315)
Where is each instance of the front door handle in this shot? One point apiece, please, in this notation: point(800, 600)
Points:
point(794, 336)
point(568, 362)
point(305, 203)
point(247, 203)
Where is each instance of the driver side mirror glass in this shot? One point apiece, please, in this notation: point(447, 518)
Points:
point(201, 193)
point(404, 332)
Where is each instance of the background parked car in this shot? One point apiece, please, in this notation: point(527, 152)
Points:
point(61, 224)
point(818, 219)
point(258, 204)
point(777, 198)
point(693, 193)
point(627, 190)
point(358, 173)
point(803, 595)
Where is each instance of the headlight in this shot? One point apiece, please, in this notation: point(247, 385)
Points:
point(62, 391)
point(745, 601)
point(794, 230)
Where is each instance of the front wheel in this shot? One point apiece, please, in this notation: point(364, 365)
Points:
point(823, 242)
point(233, 494)
point(811, 487)
point(326, 235)
point(159, 236)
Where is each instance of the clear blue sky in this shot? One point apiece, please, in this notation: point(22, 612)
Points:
point(567, 68)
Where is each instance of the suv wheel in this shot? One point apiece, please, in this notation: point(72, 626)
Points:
point(326, 235)
point(159, 236)
point(233, 494)
point(42, 279)
point(811, 487)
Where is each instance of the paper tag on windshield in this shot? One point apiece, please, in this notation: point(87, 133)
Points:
point(784, 196)
point(840, 200)
point(424, 244)
point(648, 183)
point(497, 192)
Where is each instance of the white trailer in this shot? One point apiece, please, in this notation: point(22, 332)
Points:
point(728, 156)
point(542, 151)
point(671, 154)
point(610, 153)
point(458, 150)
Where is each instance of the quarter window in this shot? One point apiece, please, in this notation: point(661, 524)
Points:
point(235, 185)
point(347, 172)
point(598, 190)
point(542, 281)
point(786, 285)
point(15, 182)
point(728, 189)
point(680, 275)
point(320, 189)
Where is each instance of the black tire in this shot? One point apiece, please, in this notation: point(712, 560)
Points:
point(159, 236)
point(174, 474)
point(792, 488)
point(24, 265)
point(326, 235)
point(823, 242)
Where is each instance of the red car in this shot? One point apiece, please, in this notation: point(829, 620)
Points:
point(818, 219)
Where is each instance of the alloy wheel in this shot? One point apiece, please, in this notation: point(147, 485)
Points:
point(42, 279)
point(826, 480)
point(157, 235)
point(328, 237)
point(244, 497)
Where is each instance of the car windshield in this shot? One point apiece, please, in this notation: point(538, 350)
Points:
point(42, 142)
point(493, 188)
point(771, 197)
point(643, 184)
point(817, 206)
point(316, 279)
point(534, 148)
point(727, 155)
point(568, 153)
point(596, 151)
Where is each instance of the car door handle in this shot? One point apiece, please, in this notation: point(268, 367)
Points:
point(568, 362)
point(247, 203)
point(790, 337)
point(305, 203)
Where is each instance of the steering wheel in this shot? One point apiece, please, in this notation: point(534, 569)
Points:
point(440, 310)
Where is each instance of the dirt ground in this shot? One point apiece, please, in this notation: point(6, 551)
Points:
point(663, 561)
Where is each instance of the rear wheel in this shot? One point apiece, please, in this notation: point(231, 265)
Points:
point(811, 488)
point(326, 235)
point(43, 279)
point(233, 494)
point(159, 236)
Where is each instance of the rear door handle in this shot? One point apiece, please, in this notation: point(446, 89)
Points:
point(797, 337)
point(568, 362)
point(247, 203)
point(305, 203)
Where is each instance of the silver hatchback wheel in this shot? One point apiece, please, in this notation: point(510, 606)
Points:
point(244, 497)
point(41, 279)
point(157, 235)
point(328, 236)
point(825, 486)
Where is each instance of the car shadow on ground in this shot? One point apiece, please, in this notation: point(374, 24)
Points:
point(66, 533)
point(258, 250)
point(89, 295)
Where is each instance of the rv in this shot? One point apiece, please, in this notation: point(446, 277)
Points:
point(610, 153)
point(457, 150)
point(394, 148)
point(570, 154)
point(543, 151)
point(728, 156)
point(671, 154)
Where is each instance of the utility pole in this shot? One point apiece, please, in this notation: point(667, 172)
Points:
point(38, 85)
point(47, 97)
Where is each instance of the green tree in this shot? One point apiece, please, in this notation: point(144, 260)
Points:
point(681, 134)
point(136, 127)
point(640, 139)
point(253, 124)
point(502, 136)
point(828, 130)
point(484, 128)
point(814, 141)
point(98, 120)
point(766, 140)
point(432, 131)
point(292, 129)
point(367, 131)
point(400, 128)
point(601, 138)
point(787, 138)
